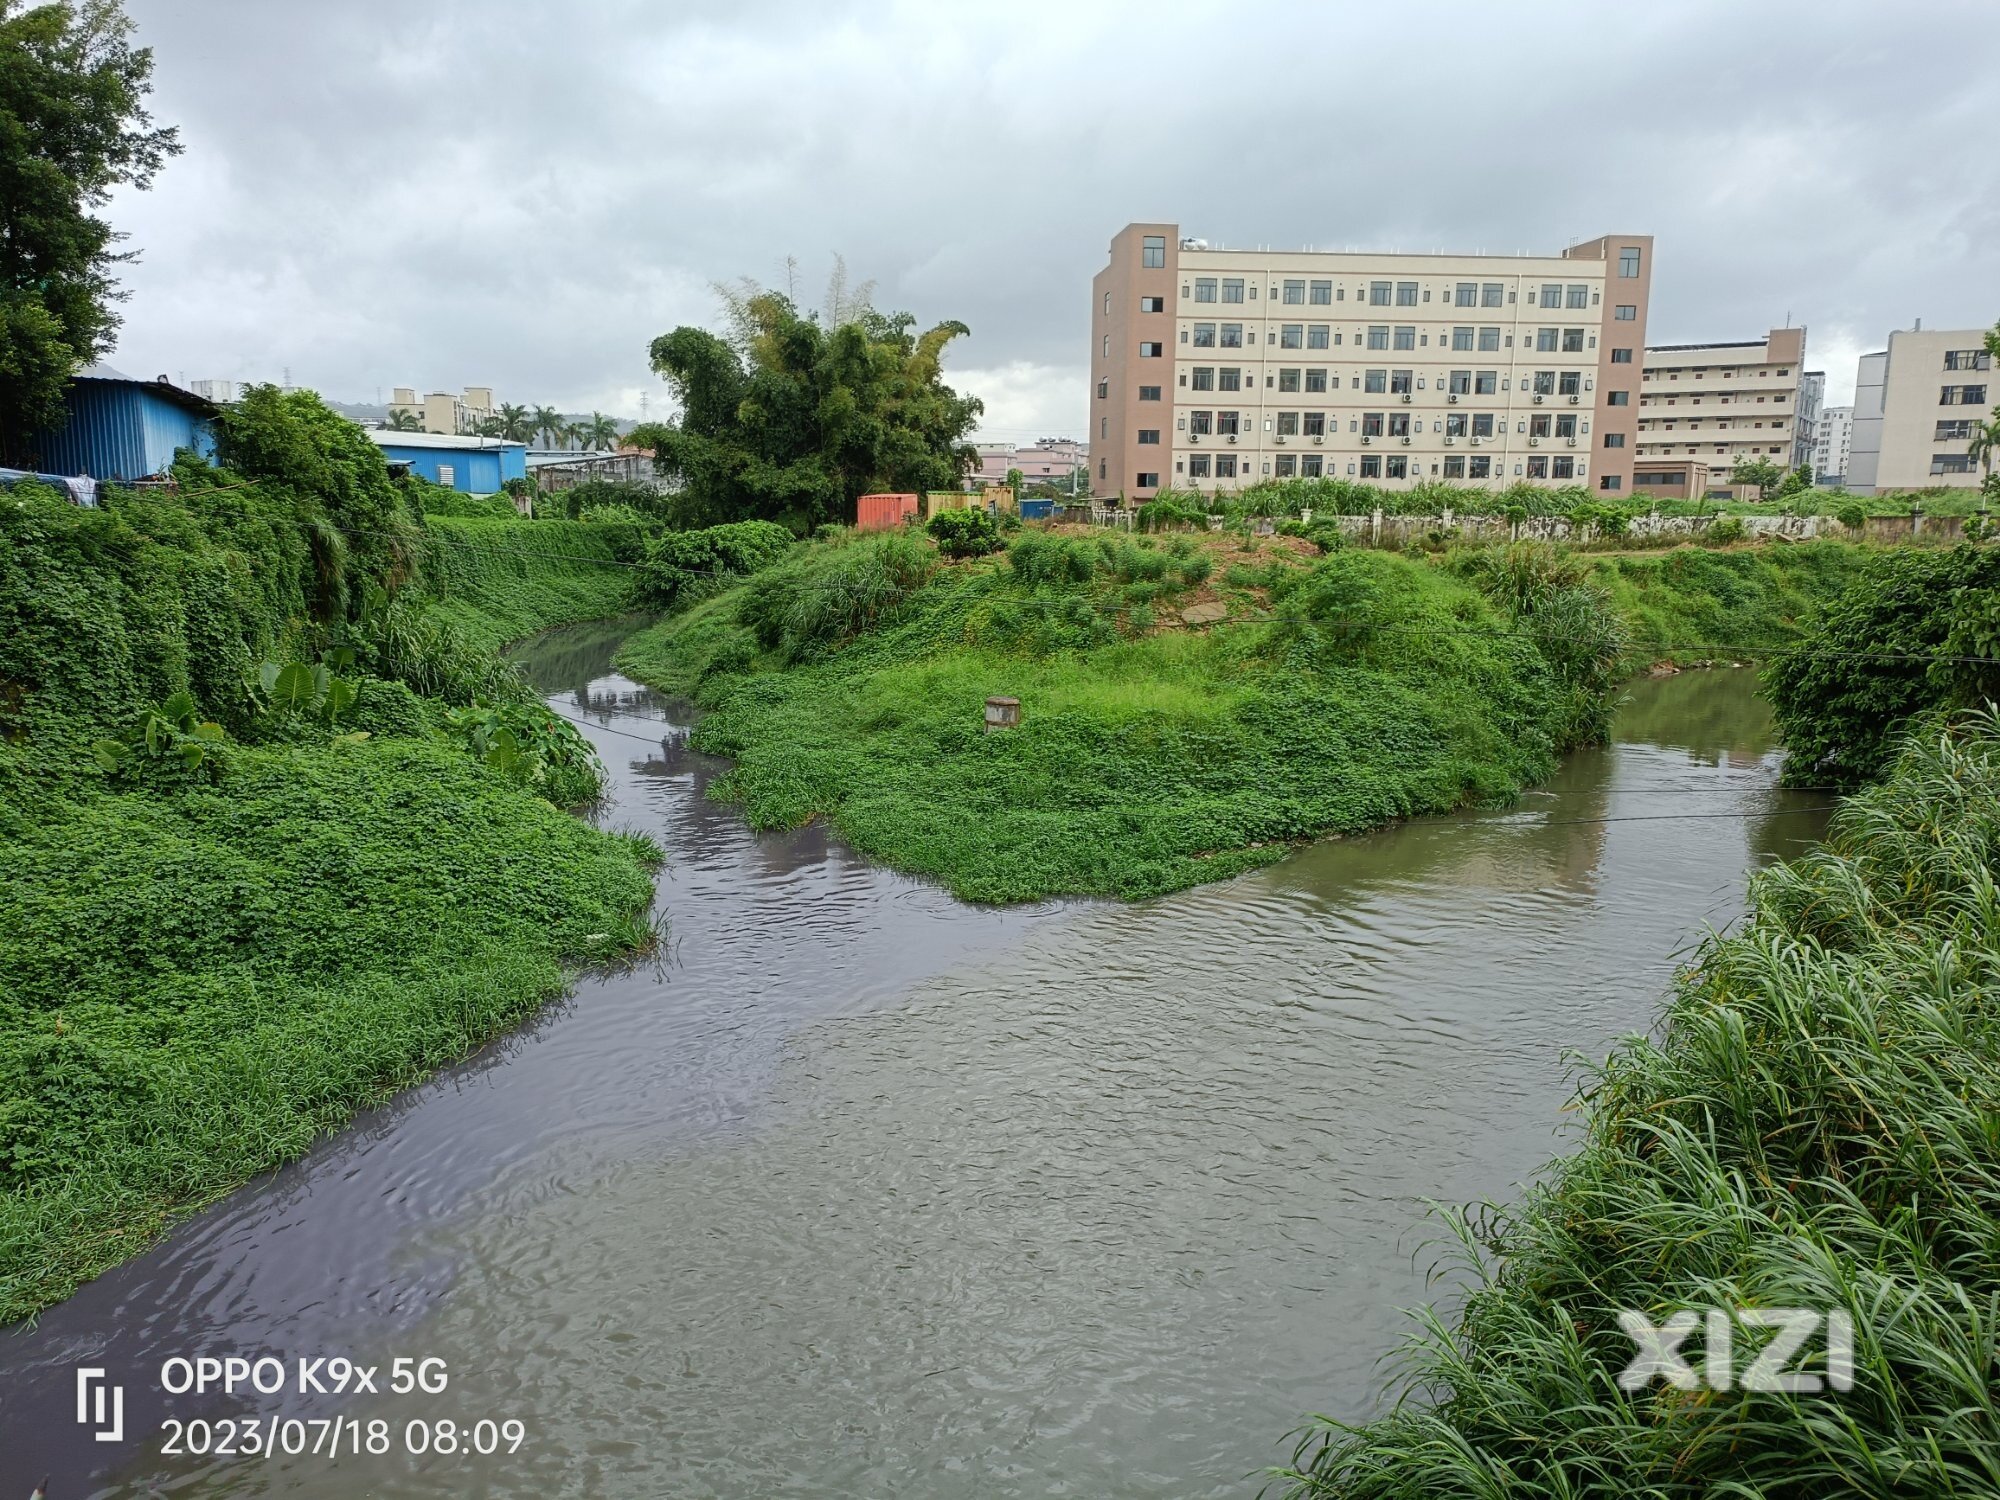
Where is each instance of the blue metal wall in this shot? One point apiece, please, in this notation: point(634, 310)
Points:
point(477, 471)
point(120, 430)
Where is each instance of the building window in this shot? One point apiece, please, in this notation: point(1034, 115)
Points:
point(1481, 467)
point(1315, 424)
point(1967, 359)
point(1482, 424)
point(1315, 380)
point(1293, 336)
point(1489, 340)
point(1406, 337)
point(1311, 466)
point(1950, 463)
point(1538, 467)
point(1232, 335)
point(1621, 356)
point(1225, 466)
point(1461, 339)
point(1610, 482)
point(1204, 335)
point(1103, 389)
point(1399, 382)
point(1150, 436)
point(1288, 424)
point(1399, 466)
point(1572, 341)
point(1378, 336)
point(1316, 335)
point(1153, 251)
point(1228, 423)
point(1953, 432)
point(1371, 466)
point(1100, 468)
point(1406, 294)
point(1569, 383)
point(1614, 439)
point(1374, 382)
point(1461, 382)
point(1229, 378)
point(1151, 350)
point(1625, 312)
point(1545, 340)
point(1380, 293)
point(1465, 294)
point(1545, 382)
point(1485, 382)
point(1371, 424)
point(1962, 395)
point(1149, 393)
point(1454, 424)
point(1618, 398)
point(1152, 304)
point(1579, 296)
point(1322, 294)
point(1492, 294)
point(1552, 296)
point(1454, 466)
point(1104, 427)
point(1204, 289)
point(1288, 380)
point(446, 474)
point(1197, 466)
point(1200, 423)
point(1539, 425)
point(1399, 424)
point(1286, 466)
point(1147, 481)
point(1295, 294)
point(1204, 378)
point(1232, 289)
point(1628, 261)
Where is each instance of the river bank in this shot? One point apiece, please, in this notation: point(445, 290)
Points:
point(978, 1218)
point(1192, 706)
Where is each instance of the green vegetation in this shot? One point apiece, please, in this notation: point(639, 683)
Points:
point(964, 531)
point(278, 832)
point(1692, 604)
point(849, 682)
point(1913, 631)
point(682, 566)
point(1814, 1128)
point(793, 417)
point(73, 126)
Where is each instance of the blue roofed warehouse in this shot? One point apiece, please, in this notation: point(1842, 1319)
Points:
point(120, 428)
point(477, 465)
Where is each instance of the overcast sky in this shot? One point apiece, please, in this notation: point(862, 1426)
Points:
point(522, 195)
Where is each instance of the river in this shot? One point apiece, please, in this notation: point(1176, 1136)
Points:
point(861, 1191)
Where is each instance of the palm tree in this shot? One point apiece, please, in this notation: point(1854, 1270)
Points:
point(489, 427)
point(600, 432)
point(404, 420)
point(1983, 449)
point(516, 425)
point(547, 421)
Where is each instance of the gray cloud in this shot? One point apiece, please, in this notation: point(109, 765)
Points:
point(523, 195)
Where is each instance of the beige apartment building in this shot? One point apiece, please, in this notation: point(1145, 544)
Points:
point(1705, 407)
point(1916, 406)
point(1214, 368)
point(441, 411)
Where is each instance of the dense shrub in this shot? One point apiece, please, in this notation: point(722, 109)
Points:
point(1916, 630)
point(683, 566)
point(822, 596)
point(964, 531)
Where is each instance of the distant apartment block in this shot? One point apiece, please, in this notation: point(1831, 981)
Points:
point(1832, 444)
point(1214, 368)
point(1705, 407)
point(1812, 396)
point(1051, 459)
point(1916, 405)
point(441, 411)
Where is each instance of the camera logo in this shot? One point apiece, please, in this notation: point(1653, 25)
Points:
point(100, 1405)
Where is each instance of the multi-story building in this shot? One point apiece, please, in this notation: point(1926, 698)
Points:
point(1805, 434)
point(221, 392)
point(1214, 368)
point(1916, 407)
point(1050, 458)
point(1705, 407)
point(1832, 443)
point(441, 411)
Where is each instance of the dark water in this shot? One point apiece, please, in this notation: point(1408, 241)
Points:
point(863, 1192)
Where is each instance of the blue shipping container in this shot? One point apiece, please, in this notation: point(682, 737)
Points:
point(1037, 510)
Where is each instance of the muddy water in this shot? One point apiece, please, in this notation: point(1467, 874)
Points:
point(863, 1192)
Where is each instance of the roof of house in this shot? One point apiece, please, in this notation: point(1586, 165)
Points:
point(164, 388)
point(389, 438)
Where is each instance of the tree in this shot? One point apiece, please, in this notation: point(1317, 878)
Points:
point(516, 425)
point(1985, 446)
point(73, 126)
point(548, 422)
point(600, 432)
point(792, 419)
point(404, 420)
point(1015, 480)
point(1758, 471)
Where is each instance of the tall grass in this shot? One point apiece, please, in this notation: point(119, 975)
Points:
point(1817, 1125)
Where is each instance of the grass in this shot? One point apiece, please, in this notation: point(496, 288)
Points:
point(204, 968)
point(1813, 1128)
point(1693, 603)
point(1360, 688)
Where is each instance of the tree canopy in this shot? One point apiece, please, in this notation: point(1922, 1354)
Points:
point(73, 125)
point(792, 418)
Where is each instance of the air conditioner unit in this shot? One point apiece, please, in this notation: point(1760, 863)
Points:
point(1232, 437)
point(1194, 437)
point(1366, 440)
point(1318, 440)
point(1452, 398)
point(1406, 398)
point(1279, 438)
point(1572, 442)
point(1406, 442)
point(1538, 398)
point(1449, 441)
point(1477, 441)
point(1534, 442)
point(1574, 399)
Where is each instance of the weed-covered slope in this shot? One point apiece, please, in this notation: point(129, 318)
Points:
point(849, 682)
point(1814, 1129)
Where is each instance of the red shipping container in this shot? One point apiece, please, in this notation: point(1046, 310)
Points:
point(884, 512)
